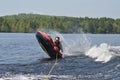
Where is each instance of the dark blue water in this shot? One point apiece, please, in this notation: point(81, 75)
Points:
point(86, 57)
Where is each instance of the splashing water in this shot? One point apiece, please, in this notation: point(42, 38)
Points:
point(103, 53)
point(79, 45)
point(72, 47)
point(82, 45)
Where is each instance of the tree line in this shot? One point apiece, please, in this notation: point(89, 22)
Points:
point(27, 23)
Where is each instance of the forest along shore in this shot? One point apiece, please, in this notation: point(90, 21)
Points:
point(27, 23)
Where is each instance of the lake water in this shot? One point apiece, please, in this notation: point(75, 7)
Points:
point(86, 57)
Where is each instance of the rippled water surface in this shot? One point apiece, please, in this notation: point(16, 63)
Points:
point(86, 57)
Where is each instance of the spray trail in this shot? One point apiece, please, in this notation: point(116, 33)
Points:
point(104, 52)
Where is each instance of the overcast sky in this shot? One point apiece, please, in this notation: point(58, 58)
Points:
point(73, 8)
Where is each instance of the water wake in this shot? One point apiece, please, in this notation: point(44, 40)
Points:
point(9, 76)
point(104, 52)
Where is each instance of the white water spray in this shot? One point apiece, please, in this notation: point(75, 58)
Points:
point(79, 45)
point(103, 53)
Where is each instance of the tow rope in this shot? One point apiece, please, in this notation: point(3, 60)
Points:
point(51, 69)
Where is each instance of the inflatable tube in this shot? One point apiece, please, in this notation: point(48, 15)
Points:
point(47, 44)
